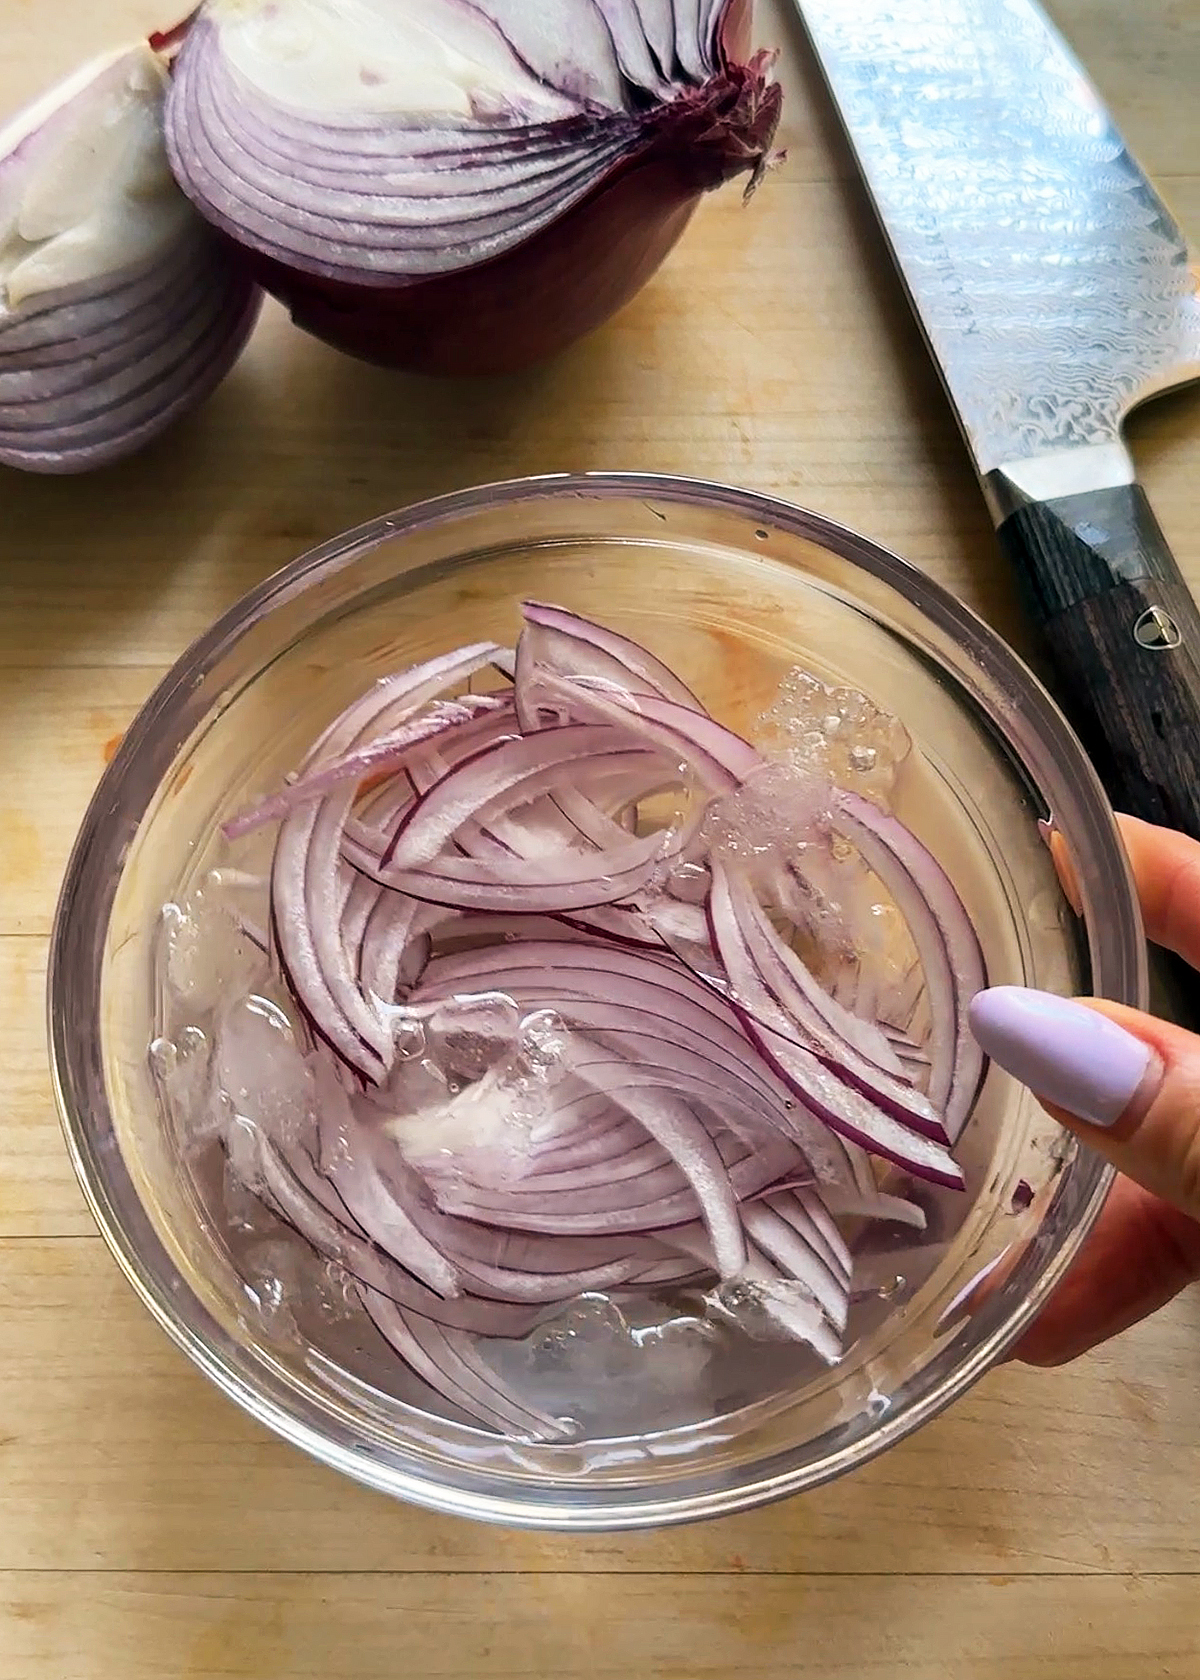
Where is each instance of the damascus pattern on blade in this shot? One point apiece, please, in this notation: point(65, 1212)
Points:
point(1054, 286)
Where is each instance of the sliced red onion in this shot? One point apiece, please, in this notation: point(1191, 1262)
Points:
point(873, 1204)
point(394, 699)
point(570, 646)
point(120, 310)
point(621, 1150)
point(701, 1105)
point(520, 885)
point(656, 1011)
point(384, 1200)
point(771, 985)
point(948, 947)
point(395, 947)
point(306, 883)
point(859, 1045)
point(388, 752)
point(691, 1021)
point(672, 1125)
point(720, 760)
point(790, 1249)
point(509, 773)
point(851, 1115)
point(295, 1190)
point(808, 1213)
point(593, 1211)
point(462, 186)
point(618, 923)
point(385, 1195)
point(451, 1364)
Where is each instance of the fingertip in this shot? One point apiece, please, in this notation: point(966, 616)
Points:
point(1066, 1053)
point(1166, 873)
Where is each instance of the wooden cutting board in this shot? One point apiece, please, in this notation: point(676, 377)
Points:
point(1048, 1527)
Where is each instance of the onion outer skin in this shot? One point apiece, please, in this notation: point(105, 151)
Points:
point(521, 309)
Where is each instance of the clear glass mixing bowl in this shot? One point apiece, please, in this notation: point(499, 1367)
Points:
point(735, 591)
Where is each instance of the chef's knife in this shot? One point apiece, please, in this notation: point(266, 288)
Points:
point(1056, 292)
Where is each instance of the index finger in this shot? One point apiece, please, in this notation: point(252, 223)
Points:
point(1166, 869)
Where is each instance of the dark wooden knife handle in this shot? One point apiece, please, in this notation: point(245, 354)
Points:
point(1122, 633)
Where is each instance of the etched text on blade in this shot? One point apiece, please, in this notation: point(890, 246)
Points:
point(1051, 280)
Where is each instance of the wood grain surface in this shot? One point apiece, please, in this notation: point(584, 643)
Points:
point(1048, 1528)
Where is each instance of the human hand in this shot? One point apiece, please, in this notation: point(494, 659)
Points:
point(1128, 1085)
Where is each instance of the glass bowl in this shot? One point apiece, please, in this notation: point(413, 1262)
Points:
point(735, 591)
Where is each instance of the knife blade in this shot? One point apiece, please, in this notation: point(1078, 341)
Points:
point(1056, 292)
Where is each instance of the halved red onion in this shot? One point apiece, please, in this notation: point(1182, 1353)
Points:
point(462, 185)
point(120, 309)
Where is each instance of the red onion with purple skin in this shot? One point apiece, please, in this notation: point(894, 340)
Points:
point(462, 186)
point(452, 186)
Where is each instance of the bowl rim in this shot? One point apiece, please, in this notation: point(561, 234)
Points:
point(144, 1260)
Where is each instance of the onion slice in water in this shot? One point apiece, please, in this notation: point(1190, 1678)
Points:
point(666, 1090)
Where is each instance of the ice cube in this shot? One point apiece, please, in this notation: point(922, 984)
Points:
point(542, 1042)
point(591, 1342)
point(210, 951)
point(838, 733)
point(272, 1276)
point(469, 1034)
point(621, 1365)
point(677, 1353)
point(182, 1070)
point(778, 812)
point(337, 1293)
point(408, 1036)
point(245, 1212)
point(263, 1071)
point(480, 1132)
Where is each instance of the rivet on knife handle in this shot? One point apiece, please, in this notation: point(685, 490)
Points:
point(1123, 637)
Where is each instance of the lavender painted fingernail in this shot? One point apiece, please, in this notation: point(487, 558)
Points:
point(1067, 1054)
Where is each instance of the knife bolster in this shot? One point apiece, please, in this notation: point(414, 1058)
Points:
point(1055, 474)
